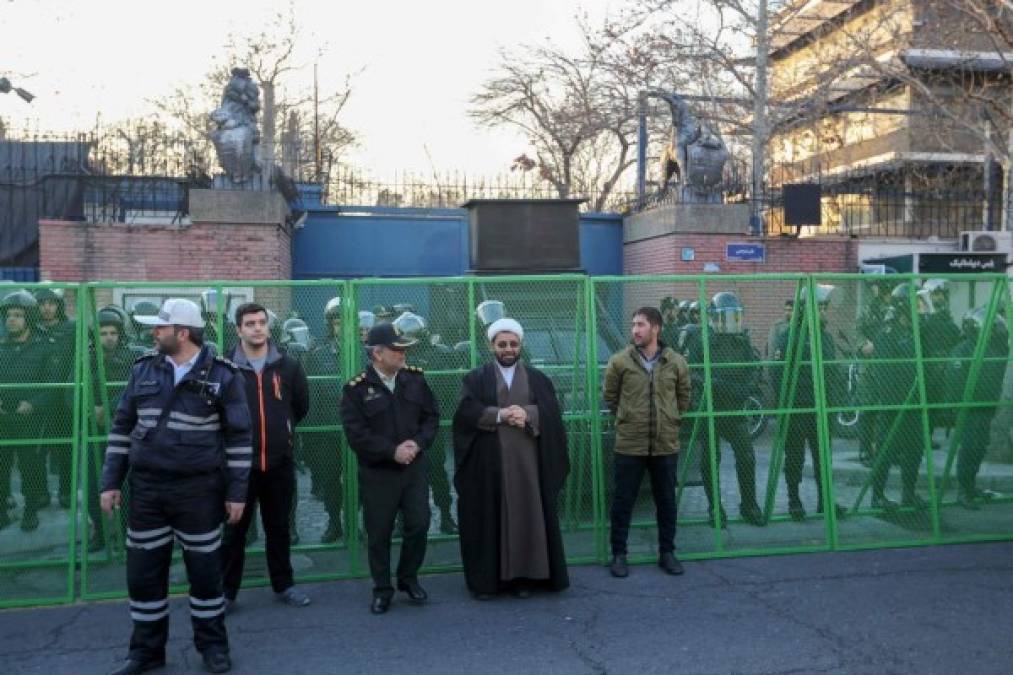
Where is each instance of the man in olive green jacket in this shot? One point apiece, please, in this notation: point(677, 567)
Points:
point(647, 388)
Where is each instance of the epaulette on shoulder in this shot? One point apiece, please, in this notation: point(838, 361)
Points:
point(361, 377)
point(414, 369)
point(146, 355)
point(226, 362)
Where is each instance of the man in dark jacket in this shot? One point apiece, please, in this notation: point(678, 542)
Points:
point(278, 397)
point(391, 418)
point(182, 428)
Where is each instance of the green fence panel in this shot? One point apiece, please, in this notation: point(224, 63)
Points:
point(322, 525)
point(913, 392)
point(829, 412)
point(40, 354)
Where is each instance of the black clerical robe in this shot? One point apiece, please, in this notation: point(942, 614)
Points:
point(479, 477)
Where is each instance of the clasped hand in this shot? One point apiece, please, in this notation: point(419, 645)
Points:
point(514, 415)
point(406, 452)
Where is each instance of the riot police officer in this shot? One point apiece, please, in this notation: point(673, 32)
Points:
point(428, 356)
point(895, 385)
point(670, 325)
point(730, 385)
point(391, 418)
point(322, 450)
point(26, 360)
point(209, 310)
point(53, 322)
point(875, 302)
point(182, 428)
point(802, 426)
point(53, 315)
point(689, 333)
point(117, 359)
point(142, 340)
point(939, 336)
point(988, 389)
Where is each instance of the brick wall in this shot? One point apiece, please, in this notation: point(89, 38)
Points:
point(76, 251)
point(764, 301)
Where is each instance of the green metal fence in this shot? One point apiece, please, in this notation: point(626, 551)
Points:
point(907, 418)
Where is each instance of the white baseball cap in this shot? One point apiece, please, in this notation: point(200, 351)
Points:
point(175, 312)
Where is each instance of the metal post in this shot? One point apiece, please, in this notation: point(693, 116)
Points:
point(641, 148)
point(759, 119)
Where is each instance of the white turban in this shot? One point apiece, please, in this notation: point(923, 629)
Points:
point(505, 325)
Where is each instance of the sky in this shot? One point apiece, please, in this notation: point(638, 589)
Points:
point(417, 64)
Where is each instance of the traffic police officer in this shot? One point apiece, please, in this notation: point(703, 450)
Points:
point(182, 427)
point(390, 419)
point(26, 360)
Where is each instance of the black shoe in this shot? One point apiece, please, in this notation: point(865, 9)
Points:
point(966, 499)
point(795, 509)
point(29, 521)
point(332, 533)
point(447, 524)
point(752, 514)
point(415, 591)
point(913, 501)
point(619, 568)
point(839, 510)
point(670, 563)
point(380, 605)
point(520, 592)
point(96, 543)
point(882, 502)
point(723, 516)
point(217, 662)
point(131, 666)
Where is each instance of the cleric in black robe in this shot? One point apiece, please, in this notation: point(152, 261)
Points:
point(510, 452)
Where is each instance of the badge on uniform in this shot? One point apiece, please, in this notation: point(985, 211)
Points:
point(371, 394)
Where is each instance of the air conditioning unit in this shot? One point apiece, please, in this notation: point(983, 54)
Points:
point(980, 241)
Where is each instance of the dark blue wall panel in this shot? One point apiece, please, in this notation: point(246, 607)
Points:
point(343, 242)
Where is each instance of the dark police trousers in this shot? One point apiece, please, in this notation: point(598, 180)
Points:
point(273, 490)
point(733, 430)
point(802, 431)
point(187, 509)
point(385, 491)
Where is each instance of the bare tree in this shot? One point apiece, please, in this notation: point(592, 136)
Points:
point(577, 110)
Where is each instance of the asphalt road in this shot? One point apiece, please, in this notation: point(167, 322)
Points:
point(919, 610)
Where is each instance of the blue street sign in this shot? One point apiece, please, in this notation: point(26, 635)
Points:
point(745, 252)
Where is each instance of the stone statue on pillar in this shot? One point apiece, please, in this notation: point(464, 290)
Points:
point(236, 135)
point(695, 158)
